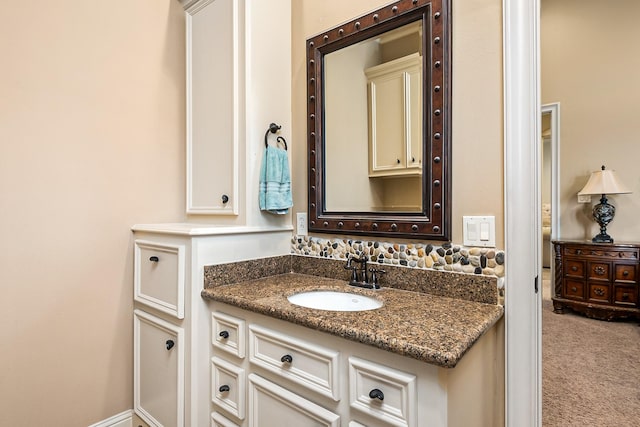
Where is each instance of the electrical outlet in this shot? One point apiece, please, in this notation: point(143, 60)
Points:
point(584, 198)
point(301, 223)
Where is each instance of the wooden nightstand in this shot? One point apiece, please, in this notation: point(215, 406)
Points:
point(599, 280)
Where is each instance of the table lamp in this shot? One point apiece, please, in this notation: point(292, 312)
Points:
point(603, 182)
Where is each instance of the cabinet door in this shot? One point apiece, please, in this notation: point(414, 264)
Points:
point(273, 406)
point(387, 122)
point(158, 371)
point(414, 118)
point(213, 107)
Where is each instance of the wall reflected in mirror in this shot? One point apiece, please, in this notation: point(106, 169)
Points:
point(373, 137)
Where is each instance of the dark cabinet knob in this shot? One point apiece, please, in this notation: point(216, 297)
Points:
point(574, 289)
point(398, 160)
point(225, 198)
point(224, 388)
point(286, 358)
point(224, 334)
point(154, 259)
point(376, 394)
point(625, 273)
point(574, 268)
point(625, 296)
point(170, 344)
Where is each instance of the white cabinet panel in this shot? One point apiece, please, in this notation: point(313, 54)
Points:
point(158, 371)
point(159, 276)
point(214, 51)
point(273, 406)
point(228, 387)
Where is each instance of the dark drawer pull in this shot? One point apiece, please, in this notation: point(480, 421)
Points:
point(599, 271)
point(625, 296)
point(625, 273)
point(154, 259)
point(599, 291)
point(574, 268)
point(169, 344)
point(224, 388)
point(574, 289)
point(286, 358)
point(224, 334)
point(376, 394)
point(225, 198)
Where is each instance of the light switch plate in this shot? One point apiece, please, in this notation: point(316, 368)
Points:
point(479, 231)
point(301, 223)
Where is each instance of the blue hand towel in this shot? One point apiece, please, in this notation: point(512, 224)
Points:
point(275, 182)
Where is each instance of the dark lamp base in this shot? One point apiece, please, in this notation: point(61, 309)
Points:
point(602, 238)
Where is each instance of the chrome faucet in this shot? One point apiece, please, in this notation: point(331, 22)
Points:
point(359, 275)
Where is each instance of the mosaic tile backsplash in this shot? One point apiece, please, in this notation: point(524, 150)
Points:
point(448, 257)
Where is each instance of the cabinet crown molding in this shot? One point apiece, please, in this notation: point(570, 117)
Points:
point(193, 6)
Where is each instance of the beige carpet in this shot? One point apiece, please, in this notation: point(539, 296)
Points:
point(591, 369)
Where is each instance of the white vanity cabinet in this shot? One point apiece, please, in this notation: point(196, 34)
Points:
point(302, 377)
point(171, 320)
point(395, 117)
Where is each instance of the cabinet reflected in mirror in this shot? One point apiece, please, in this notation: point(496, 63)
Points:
point(379, 93)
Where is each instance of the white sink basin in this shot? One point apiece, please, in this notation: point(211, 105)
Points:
point(334, 301)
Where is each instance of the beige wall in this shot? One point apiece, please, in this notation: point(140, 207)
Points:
point(477, 101)
point(91, 141)
point(591, 67)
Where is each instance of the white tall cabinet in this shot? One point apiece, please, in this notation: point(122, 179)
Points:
point(238, 82)
point(171, 320)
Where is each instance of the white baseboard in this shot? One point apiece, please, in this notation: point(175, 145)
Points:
point(123, 419)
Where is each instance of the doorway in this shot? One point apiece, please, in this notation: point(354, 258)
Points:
point(550, 177)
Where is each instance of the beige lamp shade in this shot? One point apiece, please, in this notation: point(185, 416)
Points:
point(604, 182)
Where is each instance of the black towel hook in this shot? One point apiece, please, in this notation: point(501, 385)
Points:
point(273, 128)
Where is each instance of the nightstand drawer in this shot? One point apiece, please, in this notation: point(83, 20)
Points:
point(159, 275)
point(302, 362)
point(625, 273)
point(573, 289)
point(599, 292)
point(625, 295)
point(574, 268)
point(599, 271)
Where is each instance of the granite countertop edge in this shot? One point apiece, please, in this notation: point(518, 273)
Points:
point(433, 329)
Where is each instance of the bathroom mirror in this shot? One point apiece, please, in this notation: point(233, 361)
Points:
point(379, 113)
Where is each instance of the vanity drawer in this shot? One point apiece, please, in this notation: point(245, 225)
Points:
point(159, 275)
point(382, 392)
point(228, 387)
point(218, 420)
point(305, 363)
point(272, 405)
point(228, 333)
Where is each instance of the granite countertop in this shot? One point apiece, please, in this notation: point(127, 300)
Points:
point(429, 328)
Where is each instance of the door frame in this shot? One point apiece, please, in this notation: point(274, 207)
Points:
point(522, 169)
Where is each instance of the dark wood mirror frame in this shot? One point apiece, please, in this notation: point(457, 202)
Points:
point(434, 221)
